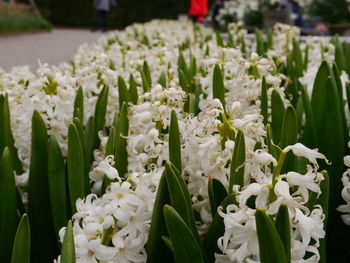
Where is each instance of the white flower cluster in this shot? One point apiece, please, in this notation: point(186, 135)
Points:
point(113, 227)
point(345, 209)
point(240, 243)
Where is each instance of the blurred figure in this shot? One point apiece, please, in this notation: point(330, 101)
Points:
point(216, 9)
point(198, 10)
point(102, 8)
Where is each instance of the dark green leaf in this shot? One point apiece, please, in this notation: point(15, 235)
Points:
point(8, 206)
point(237, 162)
point(57, 184)
point(218, 85)
point(277, 114)
point(270, 244)
point(217, 193)
point(174, 142)
point(186, 247)
point(121, 154)
point(43, 247)
point(75, 163)
point(282, 226)
point(123, 92)
point(79, 105)
point(68, 248)
point(21, 245)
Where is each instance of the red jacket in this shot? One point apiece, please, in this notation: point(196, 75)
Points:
point(198, 8)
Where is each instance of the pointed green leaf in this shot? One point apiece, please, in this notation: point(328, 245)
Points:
point(147, 72)
point(68, 247)
point(39, 207)
point(75, 164)
point(183, 80)
point(310, 127)
point(21, 245)
point(264, 101)
point(218, 86)
point(282, 226)
point(6, 138)
point(186, 247)
point(289, 136)
point(219, 40)
point(79, 105)
point(100, 113)
point(162, 79)
point(8, 206)
point(277, 114)
point(217, 193)
point(174, 142)
point(156, 249)
point(123, 91)
point(145, 84)
point(57, 184)
point(133, 95)
point(89, 134)
point(270, 244)
point(121, 154)
point(237, 162)
point(79, 126)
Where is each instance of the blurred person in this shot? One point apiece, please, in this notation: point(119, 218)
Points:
point(102, 8)
point(216, 10)
point(198, 10)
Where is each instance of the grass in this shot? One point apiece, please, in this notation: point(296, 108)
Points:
point(21, 18)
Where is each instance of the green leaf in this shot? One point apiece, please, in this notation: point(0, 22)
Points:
point(147, 72)
point(133, 95)
point(68, 248)
point(186, 247)
point(162, 79)
point(156, 249)
point(217, 193)
point(79, 105)
point(43, 247)
point(75, 163)
point(237, 162)
point(180, 197)
point(80, 131)
point(121, 154)
point(329, 124)
point(277, 114)
point(168, 243)
point(6, 138)
point(218, 85)
point(264, 101)
point(89, 134)
point(219, 40)
point(174, 142)
point(310, 133)
point(216, 229)
point(110, 142)
point(145, 84)
point(183, 80)
point(57, 184)
point(123, 92)
point(8, 206)
point(339, 54)
point(297, 58)
point(260, 43)
point(282, 226)
point(100, 114)
point(182, 64)
point(289, 136)
point(21, 245)
point(270, 244)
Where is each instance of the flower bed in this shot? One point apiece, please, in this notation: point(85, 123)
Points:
point(165, 142)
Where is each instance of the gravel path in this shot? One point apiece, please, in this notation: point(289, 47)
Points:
point(57, 46)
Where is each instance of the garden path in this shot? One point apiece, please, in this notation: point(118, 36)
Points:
point(59, 45)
